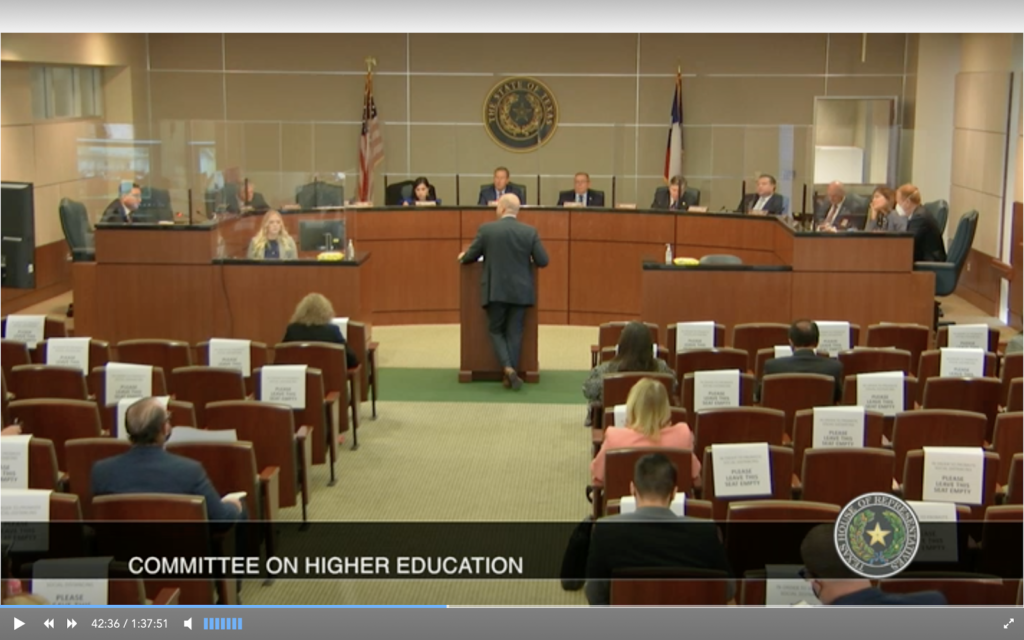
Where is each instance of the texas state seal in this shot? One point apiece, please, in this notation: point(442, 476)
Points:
point(877, 535)
point(520, 114)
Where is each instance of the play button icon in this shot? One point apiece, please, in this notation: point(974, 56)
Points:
point(18, 624)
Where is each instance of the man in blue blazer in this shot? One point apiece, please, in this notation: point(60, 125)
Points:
point(148, 468)
point(490, 195)
point(581, 193)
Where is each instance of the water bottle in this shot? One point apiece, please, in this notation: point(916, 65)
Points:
point(668, 253)
point(350, 251)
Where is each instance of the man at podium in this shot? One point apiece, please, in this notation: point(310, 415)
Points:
point(507, 247)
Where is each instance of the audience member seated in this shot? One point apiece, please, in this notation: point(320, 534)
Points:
point(581, 194)
point(311, 322)
point(490, 195)
point(881, 216)
point(675, 197)
point(803, 337)
point(928, 243)
point(837, 212)
point(764, 200)
point(653, 536)
point(835, 584)
point(272, 242)
point(242, 198)
point(635, 353)
point(422, 191)
point(648, 424)
point(122, 210)
point(148, 468)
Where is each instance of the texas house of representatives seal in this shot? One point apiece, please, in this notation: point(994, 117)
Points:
point(877, 535)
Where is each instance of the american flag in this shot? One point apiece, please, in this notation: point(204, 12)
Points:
point(371, 143)
point(674, 152)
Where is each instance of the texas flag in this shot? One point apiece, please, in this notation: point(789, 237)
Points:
point(674, 151)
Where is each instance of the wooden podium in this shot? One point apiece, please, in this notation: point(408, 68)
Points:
point(477, 360)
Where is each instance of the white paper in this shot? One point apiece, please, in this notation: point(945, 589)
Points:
point(71, 592)
point(741, 470)
point(954, 474)
point(341, 323)
point(285, 384)
point(838, 427)
point(25, 328)
point(713, 389)
point(783, 351)
point(882, 392)
point(961, 363)
point(68, 352)
point(14, 461)
point(620, 415)
point(30, 509)
point(785, 588)
point(695, 335)
point(967, 336)
point(191, 434)
point(833, 337)
point(121, 415)
point(237, 495)
point(938, 535)
point(627, 504)
point(128, 381)
point(228, 353)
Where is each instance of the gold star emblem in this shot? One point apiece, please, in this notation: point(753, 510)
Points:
point(878, 535)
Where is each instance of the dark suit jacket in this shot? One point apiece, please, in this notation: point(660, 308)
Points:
point(115, 214)
point(662, 201)
point(231, 196)
point(507, 247)
point(150, 469)
point(807, 361)
point(593, 198)
point(319, 333)
point(851, 210)
point(774, 205)
point(928, 243)
point(651, 537)
point(489, 194)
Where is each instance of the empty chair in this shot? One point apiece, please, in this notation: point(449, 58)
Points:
point(910, 397)
point(915, 338)
point(57, 420)
point(803, 433)
point(98, 382)
point(1007, 441)
point(341, 384)
point(43, 470)
point(942, 339)
point(82, 454)
point(1000, 540)
point(782, 510)
point(935, 428)
point(930, 366)
point(608, 335)
point(48, 381)
point(365, 351)
point(710, 360)
point(781, 464)
point(1015, 484)
point(1014, 400)
point(747, 387)
point(202, 385)
point(837, 476)
point(752, 337)
point(257, 359)
point(99, 353)
point(791, 392)
point(618, 473)
point(964, 589)
point(79, 234)
point(980, 395)
point(871, 360)
point(52, 328)
point(271, 429)
point(13, 353)
point(670, 337)
point(737, 424)
point(166, 354)
point(913, 480)
point(637, 587)
point(750, 545)
point(1010, 370)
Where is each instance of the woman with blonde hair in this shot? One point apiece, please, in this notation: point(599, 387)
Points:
point(648, 418)
point(312, 322)
point(272, 242)
point(928, 243)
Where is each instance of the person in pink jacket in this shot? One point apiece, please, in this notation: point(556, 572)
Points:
point(647, 418)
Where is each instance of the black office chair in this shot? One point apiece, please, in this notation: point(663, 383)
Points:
point(691, 194)
point(155, 205)
point(948, 273)
point(940, 211)
point(78, 233)
point(319, 194)
point(520, 187)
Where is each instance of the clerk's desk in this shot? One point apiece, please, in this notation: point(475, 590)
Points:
point(596, 273)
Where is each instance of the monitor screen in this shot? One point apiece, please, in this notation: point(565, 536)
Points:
point(322, 235)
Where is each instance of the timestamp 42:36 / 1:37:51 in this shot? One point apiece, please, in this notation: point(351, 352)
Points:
point(130, 623)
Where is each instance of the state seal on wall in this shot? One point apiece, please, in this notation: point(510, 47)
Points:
point(877, 535)
point(520, 114)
